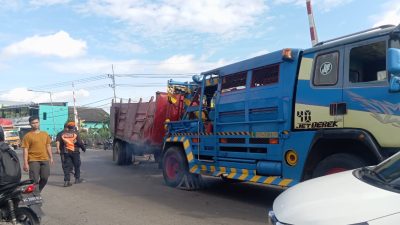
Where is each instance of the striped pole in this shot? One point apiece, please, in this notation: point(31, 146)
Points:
point(75, 111)
point(313, 30)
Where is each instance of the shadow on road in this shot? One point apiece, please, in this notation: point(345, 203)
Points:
point(217, 199)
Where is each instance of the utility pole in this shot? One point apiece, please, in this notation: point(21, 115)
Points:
point(75, 111)
point(113, 80)
point(52, 114)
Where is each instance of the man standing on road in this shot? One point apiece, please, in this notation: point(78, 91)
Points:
point(37, 153)
point(60, 146)
point(72, 142)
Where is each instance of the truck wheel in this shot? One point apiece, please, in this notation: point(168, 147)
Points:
point(119, 153)
point(176, 170)
point(337, 163)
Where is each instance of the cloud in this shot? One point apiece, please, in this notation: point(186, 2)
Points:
point(128, 47)
point(9, 5)
point(173, 64)
point(186, 64)
point(389, 15)
point(295, 2)
point(3, 66)
point(202, 16)
point(261, 52)
point(23, 95)
point(59, 44)
point(47, 2)
point(323, 5)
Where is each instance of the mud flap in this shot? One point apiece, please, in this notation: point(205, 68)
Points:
point(191, 182)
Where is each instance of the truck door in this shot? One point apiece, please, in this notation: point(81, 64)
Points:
point(319, 102)
point(369, 103)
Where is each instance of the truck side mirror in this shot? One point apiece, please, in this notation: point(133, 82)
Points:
point(393, 59)
point(197, 79)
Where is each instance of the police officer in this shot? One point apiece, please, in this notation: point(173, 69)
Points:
point(60, 145)
point(72, 142)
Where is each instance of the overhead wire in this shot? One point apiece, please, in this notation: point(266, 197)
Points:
point(79, 82)
point(102, 100)
point(156, 75)
point(140, 85)
point(69, 83)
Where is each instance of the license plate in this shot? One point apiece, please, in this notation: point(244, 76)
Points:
point(32, 200)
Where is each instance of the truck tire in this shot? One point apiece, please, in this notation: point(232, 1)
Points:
point(119, 153)
point(337, 163)
point(176, 170)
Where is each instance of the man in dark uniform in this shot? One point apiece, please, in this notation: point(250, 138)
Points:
point(72, 142)
point(60, 145)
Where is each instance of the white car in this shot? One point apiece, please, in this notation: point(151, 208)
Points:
point(365, 196)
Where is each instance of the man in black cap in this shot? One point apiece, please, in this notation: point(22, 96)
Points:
point(60, 145)
point(72, 142)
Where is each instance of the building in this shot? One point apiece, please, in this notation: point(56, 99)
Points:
point(90, 117)
point(20, 113)
point(52, 115)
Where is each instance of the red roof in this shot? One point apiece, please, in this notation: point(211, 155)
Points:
point(5, 122)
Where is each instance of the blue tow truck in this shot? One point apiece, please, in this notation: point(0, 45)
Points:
point(291, 115)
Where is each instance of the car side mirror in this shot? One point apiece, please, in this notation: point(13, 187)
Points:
point(393, 66)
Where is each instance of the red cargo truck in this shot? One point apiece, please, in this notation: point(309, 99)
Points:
point(138, 128)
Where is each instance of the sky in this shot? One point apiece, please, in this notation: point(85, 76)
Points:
point(48, 45)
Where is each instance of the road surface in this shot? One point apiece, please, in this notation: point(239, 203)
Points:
point(137, 195)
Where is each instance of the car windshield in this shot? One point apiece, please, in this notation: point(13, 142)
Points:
point(389, 170)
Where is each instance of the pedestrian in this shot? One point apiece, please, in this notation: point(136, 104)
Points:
point(37, 153)
point(72, 142)
point(60, 146)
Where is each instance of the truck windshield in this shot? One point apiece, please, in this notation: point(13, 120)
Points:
point(11, 134)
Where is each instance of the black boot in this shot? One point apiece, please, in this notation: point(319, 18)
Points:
point(67, 184)
point(79, 180)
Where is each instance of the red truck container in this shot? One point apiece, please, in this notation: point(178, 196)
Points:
point(138, 128)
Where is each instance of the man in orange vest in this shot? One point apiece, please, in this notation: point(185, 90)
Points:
point(72, 142)
point(60, 145)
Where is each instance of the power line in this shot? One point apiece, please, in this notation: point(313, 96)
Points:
point(65, 83)
point(79, 82)
point(102, 100)
point(156, 75)
point(95, 87)
point(68, 83)
point(141, 85)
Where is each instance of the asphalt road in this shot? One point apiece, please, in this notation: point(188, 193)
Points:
point(136, 195)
